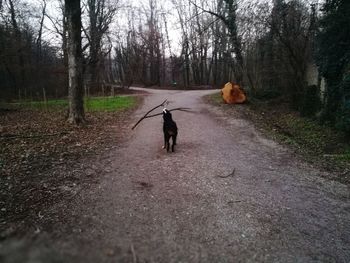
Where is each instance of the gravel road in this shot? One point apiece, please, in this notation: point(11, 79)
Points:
point(154, 206)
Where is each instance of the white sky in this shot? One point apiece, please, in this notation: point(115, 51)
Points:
point(121, 19)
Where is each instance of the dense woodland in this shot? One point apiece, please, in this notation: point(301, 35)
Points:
point(296, 51)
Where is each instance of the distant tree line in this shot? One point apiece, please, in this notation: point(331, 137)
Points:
point(300, 52)
point(292, 51)
point(28, 64)
point(295, 51)
point(34, 47)
point(333, 59)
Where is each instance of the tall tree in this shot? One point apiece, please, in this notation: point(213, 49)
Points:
point(229, 18)
point(292, 25)
point(334, 60)
point(75, 71)
point(18, 36)
point(100, 14)
point(59, 24)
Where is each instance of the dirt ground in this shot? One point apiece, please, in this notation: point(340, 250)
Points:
point(146, 205)
point(320, 145)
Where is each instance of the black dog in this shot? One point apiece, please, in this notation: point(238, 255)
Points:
point(169, 130)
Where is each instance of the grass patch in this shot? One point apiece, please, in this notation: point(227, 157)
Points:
point(216, 98)
point(344, 158)
point(92, 104)
point(308, 133)
point(314, 141)
point(109, 103)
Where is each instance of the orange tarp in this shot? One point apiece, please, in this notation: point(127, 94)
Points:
point(232, 93)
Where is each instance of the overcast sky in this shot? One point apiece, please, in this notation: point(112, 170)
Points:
point(120, 23)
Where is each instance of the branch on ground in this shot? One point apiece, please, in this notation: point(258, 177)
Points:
point(226, 176)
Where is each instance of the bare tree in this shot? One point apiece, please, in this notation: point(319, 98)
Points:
point(100, 15)
point(60, 28)
point(75, 71)
point(229, 18)
point(185, 48)
point(293, 26)
point(18, 36)
point(40, 32)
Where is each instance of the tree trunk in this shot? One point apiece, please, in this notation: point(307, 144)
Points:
point(18, 35)
point(75, 72)
point(65, 52)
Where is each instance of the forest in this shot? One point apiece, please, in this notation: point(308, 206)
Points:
point(253, 96)
point(290, 49)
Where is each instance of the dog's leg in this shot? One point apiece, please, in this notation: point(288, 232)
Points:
point(174, 143)
point(164, 145)
point(167, 144)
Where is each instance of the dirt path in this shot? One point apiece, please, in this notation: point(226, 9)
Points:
point(150, 206)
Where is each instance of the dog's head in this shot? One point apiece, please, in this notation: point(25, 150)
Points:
point(167, 115)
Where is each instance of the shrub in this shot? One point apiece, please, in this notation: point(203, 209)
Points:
point(267, 94)
point(343, 122)
point(310, 102)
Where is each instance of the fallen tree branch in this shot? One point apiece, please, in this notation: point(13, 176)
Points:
point(7, 109)
point(134, 257)
point(12, 136)
point(283, 130)
point(226, 176)
point(144, 117)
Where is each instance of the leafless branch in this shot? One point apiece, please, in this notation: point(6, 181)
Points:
point(219, 16)
point(156, 107)
point(54, 24)
point(179, 109)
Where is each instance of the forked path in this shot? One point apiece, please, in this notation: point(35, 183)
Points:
point(153, 206)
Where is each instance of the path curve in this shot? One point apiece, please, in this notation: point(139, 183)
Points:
point(153, 206)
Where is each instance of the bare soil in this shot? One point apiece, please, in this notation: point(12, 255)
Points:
point(146, 205)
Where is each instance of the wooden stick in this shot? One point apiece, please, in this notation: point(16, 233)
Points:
point(20, 136)
point(160, 105)
point(134, 257)
point(180, 109)
point(226, 176)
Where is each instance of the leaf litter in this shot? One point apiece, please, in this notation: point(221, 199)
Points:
point(43, 161)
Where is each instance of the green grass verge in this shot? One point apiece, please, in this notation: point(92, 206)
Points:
point(109, 103)
point(311, 137)
point(92, 104)
point(216, 98)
